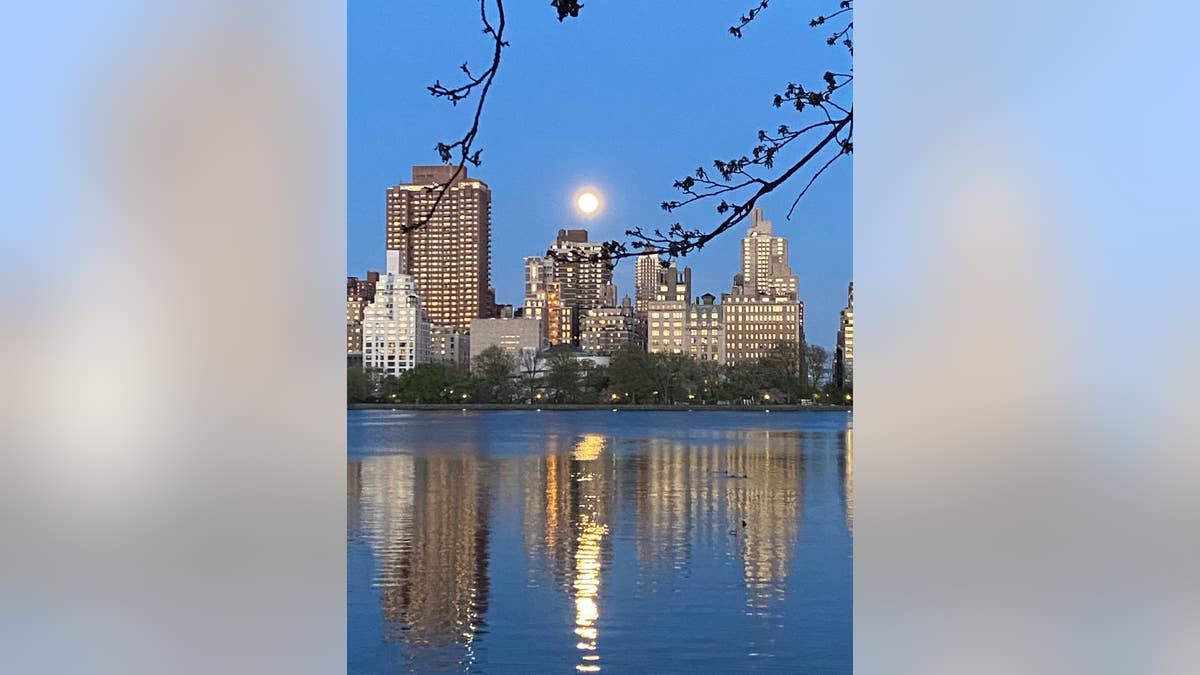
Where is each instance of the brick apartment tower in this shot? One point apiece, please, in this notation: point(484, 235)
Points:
point(451, 255)
point(359, 294)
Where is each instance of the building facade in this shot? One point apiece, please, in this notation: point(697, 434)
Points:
point(755, 324)
point(516, 335)
point(646, 279)
point(843, 353)
point(395, 331)
point(581, 268)
point(449, 256)
point(705, 330)
point(359, 293)
point(605, 329)
point(450, 345)
point(544, 301)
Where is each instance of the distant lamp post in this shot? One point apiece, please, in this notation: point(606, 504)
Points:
point(849, 398)
point(464, 396)
point(539, 396)
point(615, 396)
point(691, 397)
point(767, 396)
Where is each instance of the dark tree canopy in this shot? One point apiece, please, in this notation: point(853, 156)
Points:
point(817, 359)
point(494, 370)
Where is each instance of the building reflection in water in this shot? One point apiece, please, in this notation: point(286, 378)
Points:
point(846, 468)
point(768, 500)
point(702, 492)
point(568, 506)
point(426, 518)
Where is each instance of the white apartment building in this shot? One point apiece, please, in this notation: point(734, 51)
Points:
point(395, 332)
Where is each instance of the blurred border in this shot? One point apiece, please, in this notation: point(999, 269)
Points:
point(1024, 235)
point(175, 422)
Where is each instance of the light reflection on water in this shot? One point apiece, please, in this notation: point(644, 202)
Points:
point(526, 542)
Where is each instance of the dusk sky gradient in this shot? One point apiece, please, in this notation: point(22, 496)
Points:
point(627, 98)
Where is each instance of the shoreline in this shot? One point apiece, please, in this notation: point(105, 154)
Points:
point(790, 407)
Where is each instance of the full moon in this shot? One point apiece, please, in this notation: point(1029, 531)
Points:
point(588, 202)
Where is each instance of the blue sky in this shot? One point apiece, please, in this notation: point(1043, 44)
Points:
point(627, 98)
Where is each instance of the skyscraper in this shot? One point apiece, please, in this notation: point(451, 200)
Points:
point(450, 255)
point(765, 266)
point(763, 309)
point(646, 276)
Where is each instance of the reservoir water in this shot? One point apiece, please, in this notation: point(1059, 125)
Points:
point(598, 541)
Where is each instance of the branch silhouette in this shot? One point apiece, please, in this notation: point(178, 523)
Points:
point(737, 183)
point(462, 148)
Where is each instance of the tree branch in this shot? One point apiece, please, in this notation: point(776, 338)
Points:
point(464, 146)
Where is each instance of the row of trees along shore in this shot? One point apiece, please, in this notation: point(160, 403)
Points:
point(787, 373)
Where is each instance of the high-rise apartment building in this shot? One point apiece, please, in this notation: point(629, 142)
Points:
point(843, 353)
point(450, 255)
point(646, 278)
point(582, 269)
point(573, 278)
point(544, 301)
point(763, 309)
point(395, 331)
point(359, 293)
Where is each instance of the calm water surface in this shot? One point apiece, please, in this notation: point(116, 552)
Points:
point(593, 541)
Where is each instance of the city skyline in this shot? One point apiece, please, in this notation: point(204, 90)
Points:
point(568, 292)
point(764, 269)
point(537, 158)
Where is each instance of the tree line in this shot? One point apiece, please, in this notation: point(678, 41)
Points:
point(787, 373)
